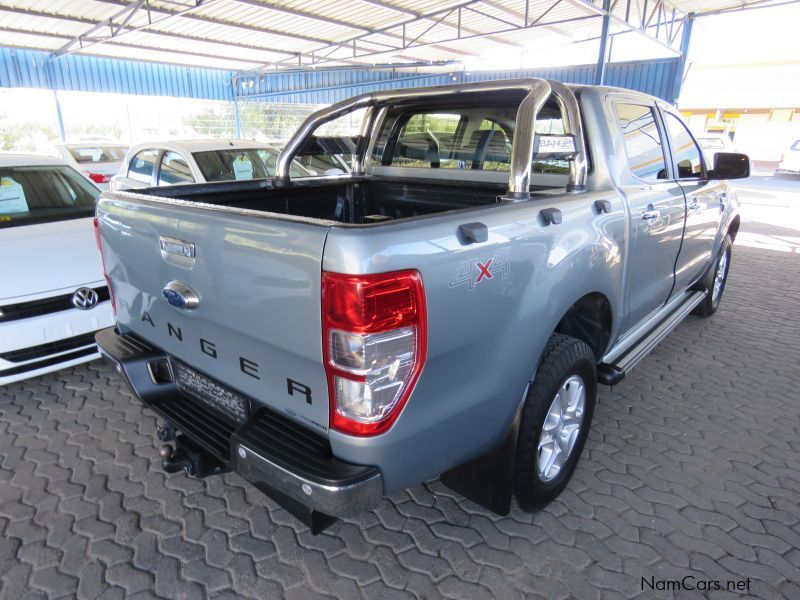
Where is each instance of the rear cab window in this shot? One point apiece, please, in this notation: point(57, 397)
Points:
point(641, 137)
point(43, 194)
point(477, 138)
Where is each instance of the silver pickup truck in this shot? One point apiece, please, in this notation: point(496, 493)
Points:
point(447, 308)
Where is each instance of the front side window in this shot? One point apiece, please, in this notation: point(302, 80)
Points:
point(30, 195)
point(142, 166)
point(174, 170)
point(476, 138)
point(688, 160)
point(642, 140)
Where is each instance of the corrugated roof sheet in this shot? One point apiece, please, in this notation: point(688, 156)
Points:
point(36, 69)
point(243, 35)
point(654, 77)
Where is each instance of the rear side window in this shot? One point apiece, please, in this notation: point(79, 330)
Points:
point(687, 156)
point(174, 170)
point(142, 166)
point(796, 145)
point(643, 145)
point(30, 195)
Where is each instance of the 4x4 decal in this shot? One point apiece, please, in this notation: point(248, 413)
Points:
point(473, 272)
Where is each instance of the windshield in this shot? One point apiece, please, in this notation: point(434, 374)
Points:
point(38, 194)
point(240, 164)
point(94, 154)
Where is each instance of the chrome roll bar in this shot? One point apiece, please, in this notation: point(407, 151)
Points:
point(578, 166)
point(538, 92)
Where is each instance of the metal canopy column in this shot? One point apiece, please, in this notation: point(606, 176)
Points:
point(236, 116)
point(603, 54)
point(686, 38)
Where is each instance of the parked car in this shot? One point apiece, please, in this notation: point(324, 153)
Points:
point(96, 158)
point(53, 295)
point(197, 161)
point(711, 143)
point(437, 311)
point(790, 161)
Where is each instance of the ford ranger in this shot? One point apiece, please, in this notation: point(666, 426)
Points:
point(447, 308)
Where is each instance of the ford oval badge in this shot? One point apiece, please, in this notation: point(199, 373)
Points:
point(180, 296)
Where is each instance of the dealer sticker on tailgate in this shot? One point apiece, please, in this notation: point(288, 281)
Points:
point(207, 391)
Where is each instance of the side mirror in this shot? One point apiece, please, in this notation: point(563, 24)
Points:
point(730, 165)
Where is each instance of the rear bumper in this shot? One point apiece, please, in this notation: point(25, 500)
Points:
point(288, 462)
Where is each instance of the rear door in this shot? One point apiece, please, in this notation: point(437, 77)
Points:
point(704, 199)
point(256, 326)
point(657, 210)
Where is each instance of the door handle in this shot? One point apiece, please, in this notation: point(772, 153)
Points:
point(695, 205)
point(651, 214)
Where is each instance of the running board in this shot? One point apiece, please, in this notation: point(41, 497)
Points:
point(612, 374)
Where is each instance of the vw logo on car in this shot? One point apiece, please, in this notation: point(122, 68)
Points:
point(85, 298)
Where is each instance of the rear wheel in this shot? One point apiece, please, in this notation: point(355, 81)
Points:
point(715, 280)
point(555, 421)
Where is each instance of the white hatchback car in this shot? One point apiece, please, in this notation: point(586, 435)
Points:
point(98, 159)
point(53, 295)
point(790, 160)
point(197, 161)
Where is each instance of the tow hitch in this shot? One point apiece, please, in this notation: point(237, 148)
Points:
point(186, 456)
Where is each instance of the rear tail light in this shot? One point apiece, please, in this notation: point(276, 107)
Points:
point(96, 224)
point(374, 341)
point(97, 177)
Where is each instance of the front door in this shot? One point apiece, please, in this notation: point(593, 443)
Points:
point(657, 207)
point(703, 203)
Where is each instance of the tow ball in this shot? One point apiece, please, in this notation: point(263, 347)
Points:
point(188, 457)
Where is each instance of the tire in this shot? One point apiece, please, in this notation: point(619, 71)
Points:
point(714, 296)
point(565, 362)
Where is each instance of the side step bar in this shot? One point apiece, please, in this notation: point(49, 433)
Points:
point(612, 374)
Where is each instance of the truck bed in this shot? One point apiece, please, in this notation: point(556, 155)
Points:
point(356, 201)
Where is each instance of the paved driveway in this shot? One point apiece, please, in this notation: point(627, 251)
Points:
point(692, 469)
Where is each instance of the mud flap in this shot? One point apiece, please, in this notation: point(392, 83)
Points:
point(488, 480)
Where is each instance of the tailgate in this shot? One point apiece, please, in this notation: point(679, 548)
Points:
point(256, 328)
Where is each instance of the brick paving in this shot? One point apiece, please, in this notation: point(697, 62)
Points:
point(692, 468)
